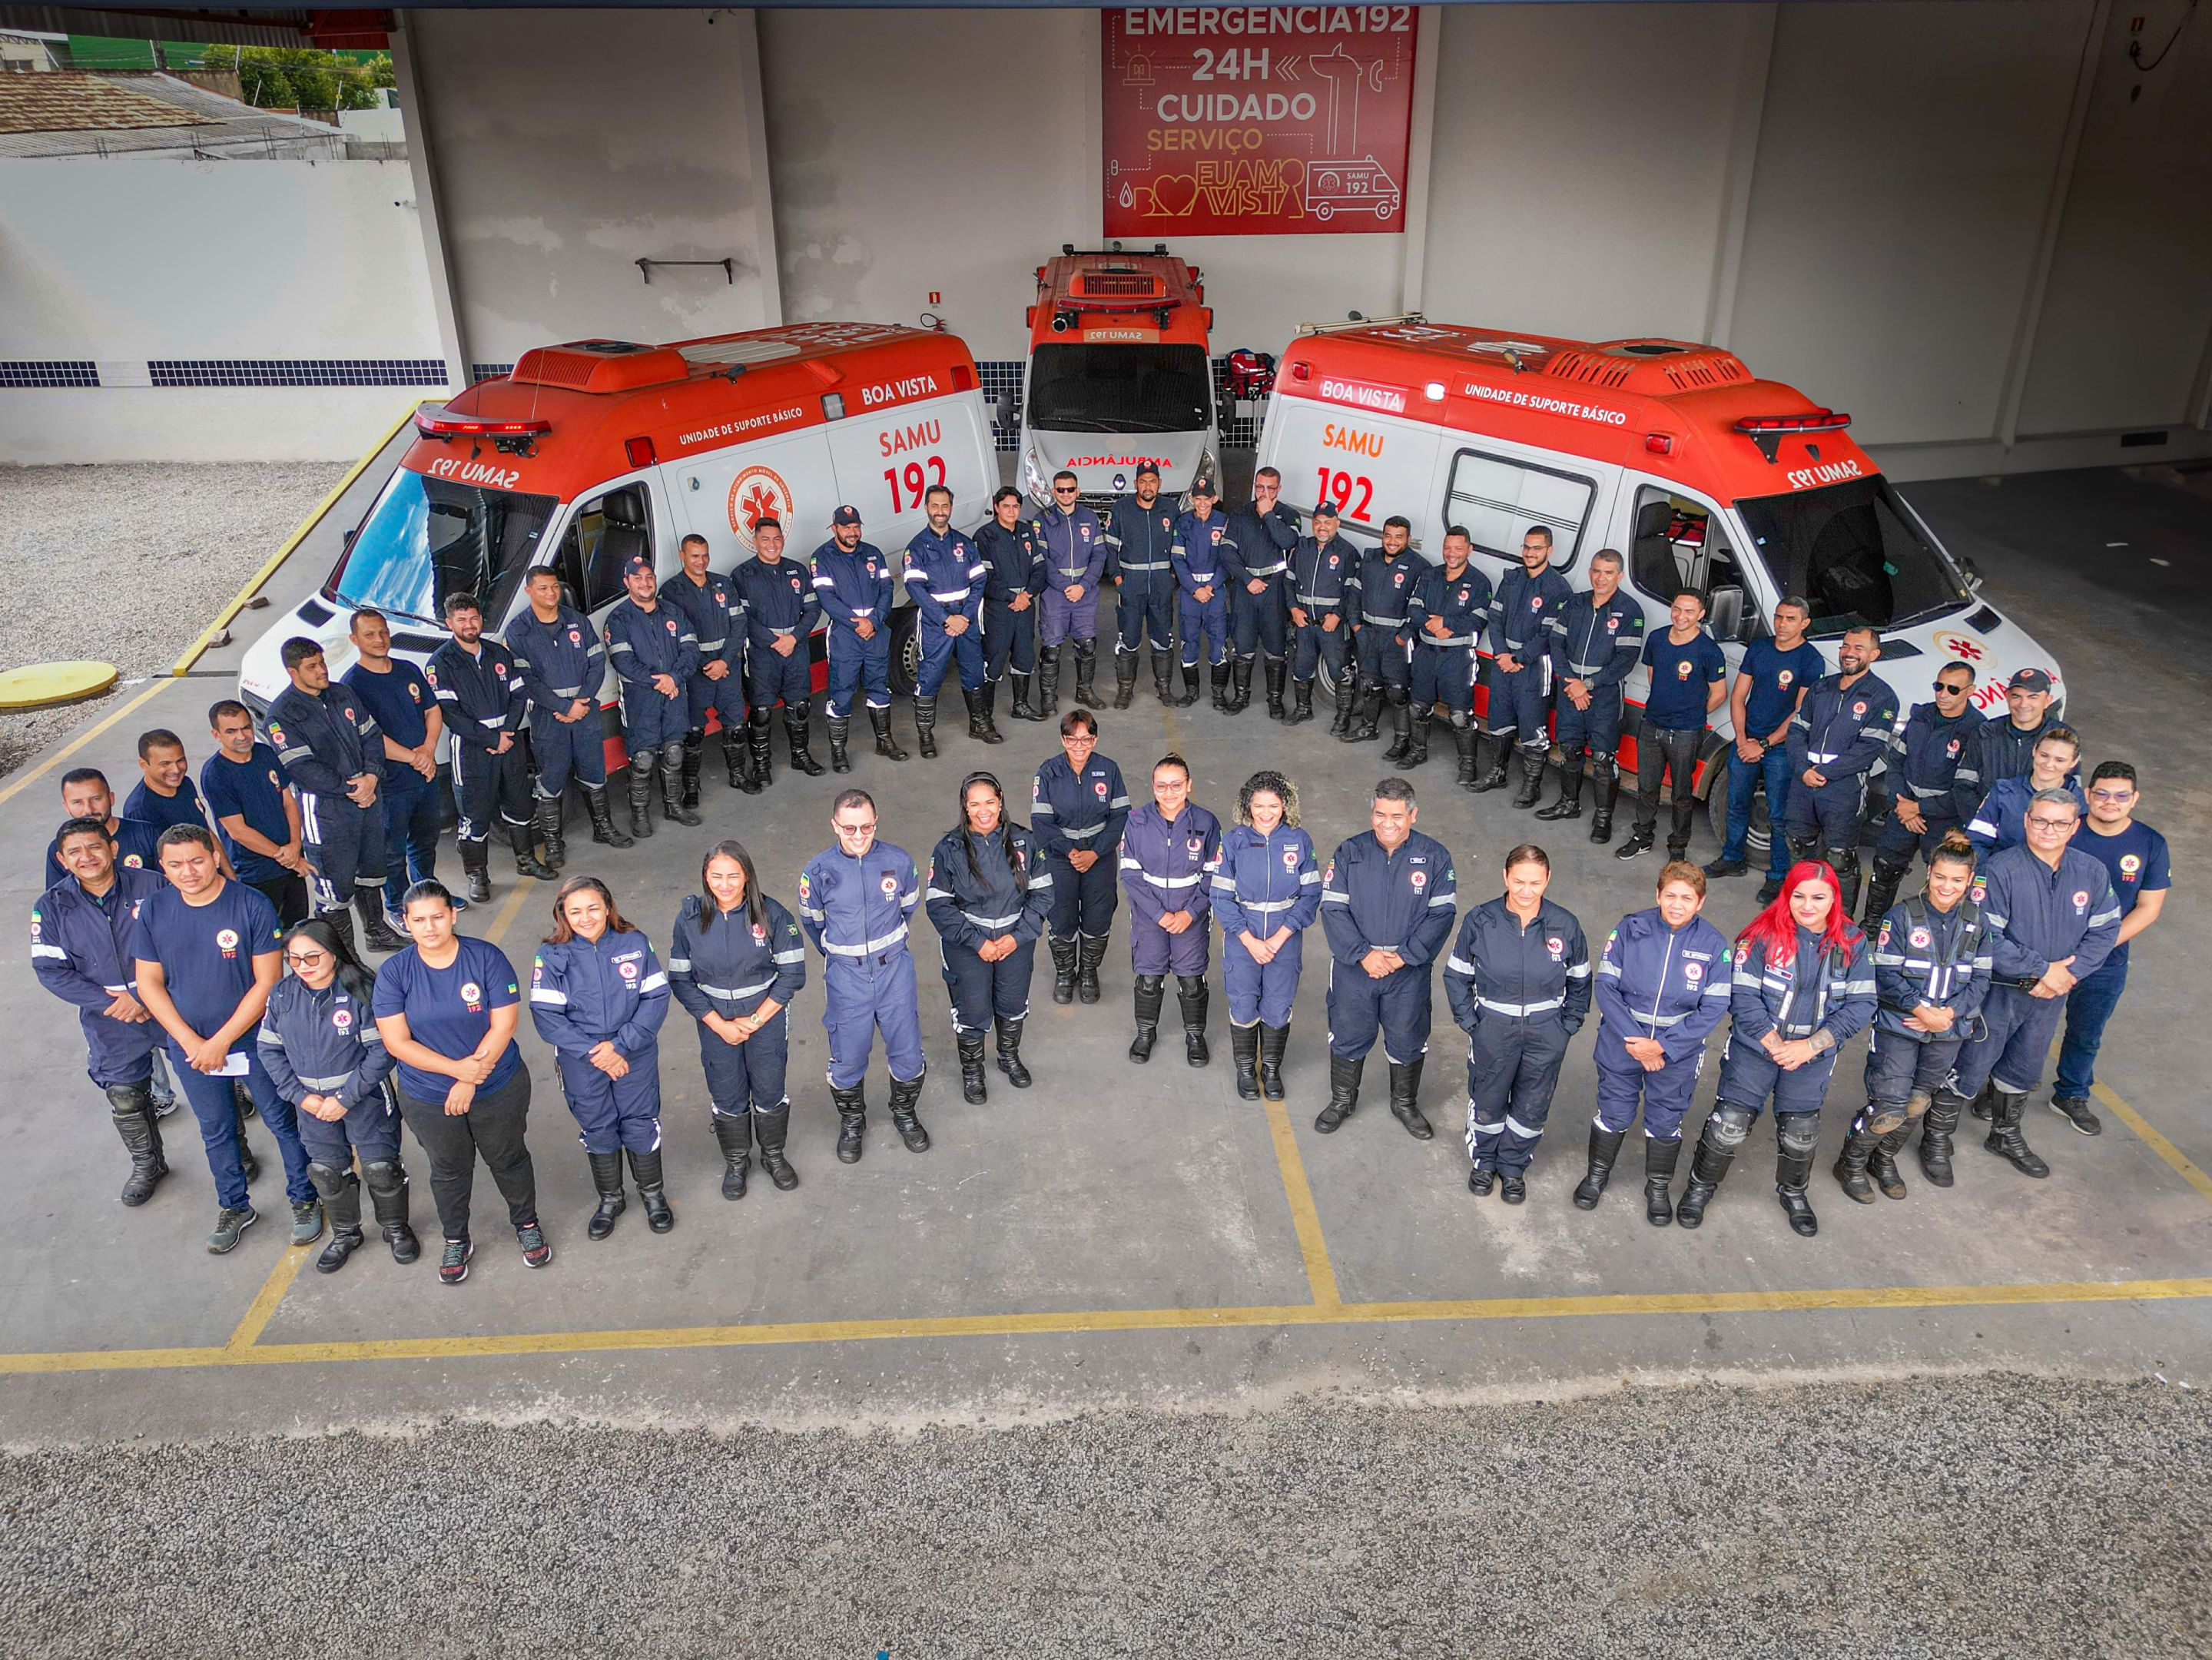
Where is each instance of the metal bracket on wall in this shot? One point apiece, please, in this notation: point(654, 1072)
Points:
point(729, 267)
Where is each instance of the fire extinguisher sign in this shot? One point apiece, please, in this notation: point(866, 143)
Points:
point(1227, 121)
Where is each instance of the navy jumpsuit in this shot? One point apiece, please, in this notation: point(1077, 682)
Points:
point(1658, 981)
point(1519, 992)
point(642, 644)
point(1264, 883)
point(975, 896)
point(1402, 902)
point(559, 662)
point(1070, 813)
point(724, 963)
point(1922, 959)
point(584, 993)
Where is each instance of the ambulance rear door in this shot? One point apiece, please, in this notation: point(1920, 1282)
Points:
point(1498, 488)
point(1369, 464)
point(886, 459)
point(722, 494)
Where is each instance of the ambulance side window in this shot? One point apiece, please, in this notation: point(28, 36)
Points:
point(1498, 498)
point(1679, 545)
point(601, 537)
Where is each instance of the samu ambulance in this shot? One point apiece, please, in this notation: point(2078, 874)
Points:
point(1118, 374)
point(1702, 476)
point(595, 451)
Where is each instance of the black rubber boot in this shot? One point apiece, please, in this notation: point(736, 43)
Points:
point(795, 723)
point(1025, 707)
point(1010, 1054)
point(1163, 680)
point(1881, 890)
point(545, 815)
point(1495, 778)
point(598, 804)
point(1365, 726)
point(1301, 703)
point(607, 1181)
point(1466, 741)
point(974, 1087)
point(386, 1179)
point(651, 1192)
point(840, 732)
point(1244, 1054)
point(340, 1192)
point(1937, 1126)
point(1532, 779)
point(523, 839)
point(1274, 1040)
point(1090, 951)
point(1604, 1149)
point(1795, 1139)
point(1659, 1161)
point(906, 1092)
point(982, 727)
point(1604, 792)
point(1343, 1091)
point(1047, 675)
point(1272, 678)
point(1570, 804)
point(771, 1125)
point(694, 763)
point(851, 1106)
point(1883, 1166)
point(1240, 687)
point(1218, 675)
point(879, 722)
point(734, 1135)
point(1347, 695)
point(1852, 1163)
point(1086, 671)
point(738, 761)
point(1709, 1165)
point(378, 934)
point(640, 795)
point(760, 738)
point(2005, 1139)
point(131, 1107)
point(1405, 1098)
point(476, 871)
point(925, 726)
point(1191, 997)
point(1151, 991)
point(1125, 680)
point(671, 789)
point(1400, 715)
point(1417, 741)
point(1063, 970)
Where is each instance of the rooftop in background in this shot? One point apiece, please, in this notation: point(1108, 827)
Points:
point(74, 113)
point(69, 100)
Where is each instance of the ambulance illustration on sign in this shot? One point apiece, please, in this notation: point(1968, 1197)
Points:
point(1361, 187)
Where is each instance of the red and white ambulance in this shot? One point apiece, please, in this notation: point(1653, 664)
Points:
point(1118, 374)
point(1701, 475)
point(594, 451)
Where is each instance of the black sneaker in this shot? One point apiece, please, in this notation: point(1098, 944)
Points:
point(536, 1252)
point(228, 1224)
point(453, 1265)
point(1725, 867)
point(1770, 890)
point(2075, 1110)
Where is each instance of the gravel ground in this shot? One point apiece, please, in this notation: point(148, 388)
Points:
point(127, 563)
point(1998, 1515)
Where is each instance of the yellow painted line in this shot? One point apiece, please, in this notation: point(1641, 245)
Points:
point(524, 885)
point(1304, 1218)
point(1877, 1297)
point(2120, 1108)
point(306, 526)
point(263, 1307)
point(30, 776)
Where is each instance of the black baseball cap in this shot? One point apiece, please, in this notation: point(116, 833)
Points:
point(846, 515)
point(2029, 680)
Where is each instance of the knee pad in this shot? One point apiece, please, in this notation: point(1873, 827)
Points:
point(1460, 719)
point(328, 1181)
point(1880, 1117)
point(1605, 765)
point(1728, 1124)
point(1886, 869)
point(384, 1176)
point(1916, 1104)
point(1845, 861)
point(1798, 1132)
point(1802, 846)
point(1400, 696)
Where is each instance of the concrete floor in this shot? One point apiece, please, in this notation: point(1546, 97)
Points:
point(1121, 1235)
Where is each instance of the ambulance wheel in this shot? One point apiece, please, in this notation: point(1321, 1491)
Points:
point(1760, 836)
point(1323, 212)
point(1324, 682)
point(906, 652)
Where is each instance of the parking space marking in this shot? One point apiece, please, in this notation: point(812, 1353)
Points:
point(1305, 1220)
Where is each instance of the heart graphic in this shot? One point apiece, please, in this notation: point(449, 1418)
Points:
point(1173, 195)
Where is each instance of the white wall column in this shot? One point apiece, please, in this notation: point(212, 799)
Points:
point(414, 113)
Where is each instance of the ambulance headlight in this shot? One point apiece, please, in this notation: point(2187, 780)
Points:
point(1035, 479)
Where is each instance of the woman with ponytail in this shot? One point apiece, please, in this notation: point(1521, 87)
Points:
point(1802, 987)
point(989, 894)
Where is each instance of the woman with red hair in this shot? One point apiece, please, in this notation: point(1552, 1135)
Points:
point(1803, 988)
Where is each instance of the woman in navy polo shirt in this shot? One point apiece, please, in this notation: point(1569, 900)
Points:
point(447, 1007)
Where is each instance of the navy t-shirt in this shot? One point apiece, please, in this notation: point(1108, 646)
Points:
point(396, 702)
point(1777, 678)
point(136, 848)
point(254, 790)
point(449, 1009)
point(207, 952)
point(1679, 676)
point(149, 808)
point(2137, 859)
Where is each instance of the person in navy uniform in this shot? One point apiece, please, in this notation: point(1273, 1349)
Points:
point(598, 995)
point(447, 1007)
point(1074, 544)
point(853, 581)
point(780, 612)
point(655, 653)
point(944, 576)
point(716, 610)
point(990, 889)
point(735, 962)
point(1382, 593)
point(1999, 821)
point(1449, 603)
point(1255, 561)
point(205, 954)
point(2053, 919)
point(251, 799)
point(1013, 577)
point(562, 663)
point(1140, 544)
point(2004, 745)
point(164, 794)
point(1518, 979)
point(1077, 808)
point(1526, 616)
point(1324, 586)
point(2136, 856)
point(1922, 772)
point(1201, 599)
point(476, 683)
point(856, 902)
point(86, 793)
point(406, 713)
point(1387, 902)
point(1931, 972)
point(81, 930)
point(1801, 988)
point(1267, 893)
point(1688, 679)
point(333, 752)
point(1770, 682)
point(1842, 728)
point(1661, 987)
point(319, 1044)
point(1600, 642)
point(1170, 848)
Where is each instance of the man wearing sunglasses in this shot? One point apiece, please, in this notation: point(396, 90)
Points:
point(2136, 855)
point(1923, 767)
point(1074, 564)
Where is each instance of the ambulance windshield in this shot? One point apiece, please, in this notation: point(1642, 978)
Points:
point(1098, 387)
point(428, 537)
point(1854, 551)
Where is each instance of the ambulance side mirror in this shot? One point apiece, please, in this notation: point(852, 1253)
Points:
point(349, 535)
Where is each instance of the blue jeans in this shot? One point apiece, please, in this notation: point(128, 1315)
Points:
point(1743, 781)
point(2088, 1006)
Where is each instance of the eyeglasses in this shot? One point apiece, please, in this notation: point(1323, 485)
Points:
point(2111, 795)
point(1063, 490)
point(1954, 690)
point(305, 959)
point(857, 829)
point(2049, 824)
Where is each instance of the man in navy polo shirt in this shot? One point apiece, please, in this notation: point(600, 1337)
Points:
point(251, 799)
point(406, 712)
point(1772, 678)
point(2136, 854)
point(1688, 674)
point(164, 794)
point(86, 795)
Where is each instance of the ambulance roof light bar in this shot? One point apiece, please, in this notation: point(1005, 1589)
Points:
point(515, 437)
point(1767, 431)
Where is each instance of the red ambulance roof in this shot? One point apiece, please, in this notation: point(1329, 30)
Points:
point(1136, 298)
point(1668, 407)
point(612, 406)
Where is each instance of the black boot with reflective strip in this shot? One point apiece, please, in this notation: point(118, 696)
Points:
point(1725, 1128)
point(1150, 992)
point(1851, 1170)
point(1274, 1040)
point(1937, 1126)
point(771, 1126)
point(1795, 1135)
point(925, 726)
point(1010, 1054)
point(851, 1106)
point(641, 797)
point(1063, 970)
point(1090, 954)
point(2005, 1139)
point(1125, 680)
point(1301, 703)
point(607, 1183)
point(1659, 1160)
point(387, 1181)
point(981, 725)
point(340, 1192)
point(906, 1093)
point(975, 1086)
point(1604, 1152)
point(1244, 1056)
point(476, 871)
point(601, 806)
point(545, 815)
point(1347, 695)
point(738, 761)
point(840, 733)
point(795, 734)
point(651, 1192)
point(1883, 1166)
point(733, 1133)
point(1191, 997)
point(694, 763)
point(131, 1107)
point(672, 789)
point(1405, 1098)
point(1364, 726)
point(879, 722)
point(1343, 1091)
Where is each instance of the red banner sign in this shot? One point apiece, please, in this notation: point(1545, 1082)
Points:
point(1258, 120)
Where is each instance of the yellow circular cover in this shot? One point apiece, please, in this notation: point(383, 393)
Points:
point(40, 686)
